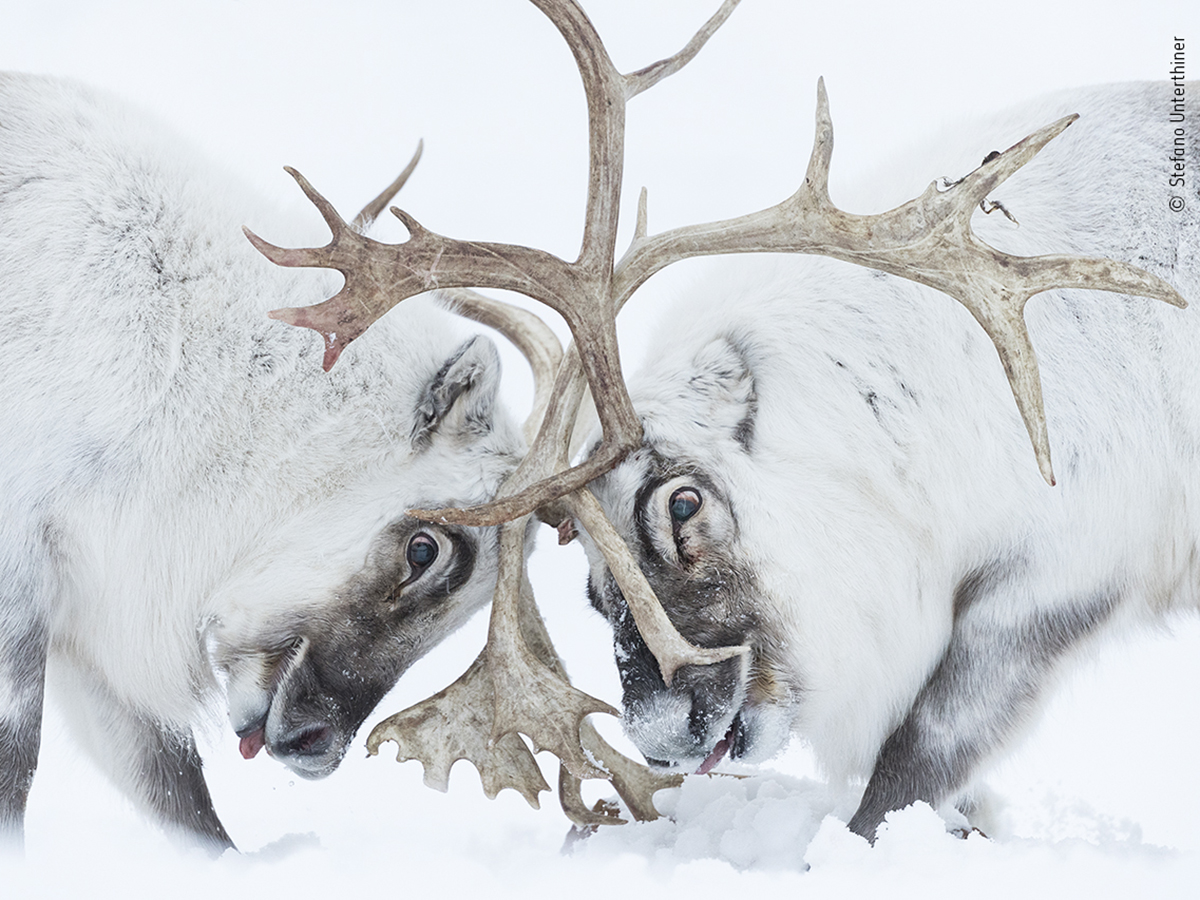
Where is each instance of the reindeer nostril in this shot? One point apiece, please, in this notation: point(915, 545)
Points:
point(312, 740)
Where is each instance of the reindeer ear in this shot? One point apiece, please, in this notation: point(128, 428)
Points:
point(459, 400)
point(723, 384)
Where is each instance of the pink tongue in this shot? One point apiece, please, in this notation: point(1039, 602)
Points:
point(252, 743)
point(717, 754)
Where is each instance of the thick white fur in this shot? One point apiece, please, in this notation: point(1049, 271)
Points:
point(177, 469)
point(859, 527)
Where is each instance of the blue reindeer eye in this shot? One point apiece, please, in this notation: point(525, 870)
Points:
point(684, 504)
point(422, 550)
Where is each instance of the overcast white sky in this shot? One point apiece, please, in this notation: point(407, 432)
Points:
point(343, 91)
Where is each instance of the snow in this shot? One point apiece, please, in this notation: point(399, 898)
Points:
point(1100, 799)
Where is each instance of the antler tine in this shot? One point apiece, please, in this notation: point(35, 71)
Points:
point(369, 213)
point(994, 172)
point(455, 724)
point(643, 218)
point(301, 257)
point(816, 179)
point(335, 222)
point(635, 784)
point(292, 257)
point(644, 79)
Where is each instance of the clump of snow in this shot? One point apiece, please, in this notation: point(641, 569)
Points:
point(750, 822)
point(776, 823)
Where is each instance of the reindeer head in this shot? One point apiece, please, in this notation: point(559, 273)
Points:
point(320, 622)
point(673, 502)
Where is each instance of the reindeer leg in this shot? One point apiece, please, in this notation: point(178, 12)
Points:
point(986, 682)
point(157, 766)
point(23, 645)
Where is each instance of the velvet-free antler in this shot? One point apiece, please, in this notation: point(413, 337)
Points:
point(928, 240)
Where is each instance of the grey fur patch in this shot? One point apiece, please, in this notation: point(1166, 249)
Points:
point(744, 433)
point(984, 685)
point(171, 779)
point(22, 683)
point(982, 581)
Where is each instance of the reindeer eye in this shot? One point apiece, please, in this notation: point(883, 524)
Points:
point(684, 503)
point(422, 551)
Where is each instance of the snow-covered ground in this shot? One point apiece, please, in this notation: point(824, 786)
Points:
point(1099, 801)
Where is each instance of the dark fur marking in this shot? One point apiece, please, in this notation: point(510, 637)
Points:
point(873, 401)
point(1003, 666)
point(22, 183)
point(23, 673)
point(883, 392)
point(985, 579)
point(640, 515)
point(744, 432)
point(171, 777)
point(24, 669)
point(596, 598)
point(262, 360)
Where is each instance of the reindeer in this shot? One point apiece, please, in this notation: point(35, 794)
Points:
point(876, 566)
point(831, 474)
point(188, 502)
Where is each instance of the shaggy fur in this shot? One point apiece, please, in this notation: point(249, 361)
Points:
point(873, 521)
point(182, 485)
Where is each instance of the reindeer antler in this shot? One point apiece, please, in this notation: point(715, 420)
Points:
point(378, 276)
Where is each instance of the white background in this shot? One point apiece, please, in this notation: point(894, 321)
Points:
point(343, 92)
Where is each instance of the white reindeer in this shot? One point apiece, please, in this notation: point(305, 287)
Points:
point(182, 486)
point(834, 474)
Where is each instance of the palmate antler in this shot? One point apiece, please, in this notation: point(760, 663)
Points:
point(928, 240)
